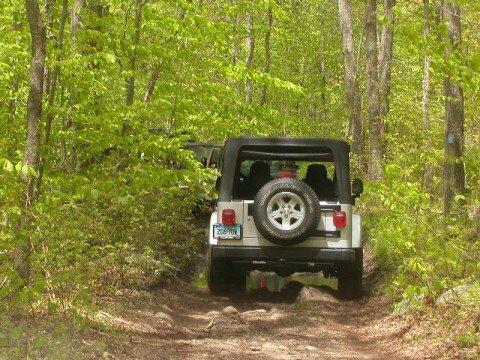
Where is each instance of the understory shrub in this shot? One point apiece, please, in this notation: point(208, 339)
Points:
point(106, 228)
point(420, 249)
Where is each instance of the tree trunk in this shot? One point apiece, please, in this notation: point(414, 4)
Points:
point(76, 21)
point(322, 69)
point(250, 45)
point(152, 82)
point(428, 171)
point(426, 67)
point(56, 71)
point(268, 55)
point(355, 128)
point(31, 156)
point(375, 124)
point(385, 56)
point(70, 124)
point(454, 171)
point(323, 88)
point(52, 89)
point(35, 93)
point(130, 81)
point(234, 21)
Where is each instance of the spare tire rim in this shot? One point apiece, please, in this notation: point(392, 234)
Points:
point(286, 210)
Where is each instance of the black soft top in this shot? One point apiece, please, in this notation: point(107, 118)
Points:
point(286, 148)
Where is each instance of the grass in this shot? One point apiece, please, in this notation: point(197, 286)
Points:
point(46, 338)
point(468, 338)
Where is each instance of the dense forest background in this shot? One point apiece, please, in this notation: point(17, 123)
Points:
point(92, 199)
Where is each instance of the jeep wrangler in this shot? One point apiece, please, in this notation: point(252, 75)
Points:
point(285, 205)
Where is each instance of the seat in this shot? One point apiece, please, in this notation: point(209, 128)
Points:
point(258, 176)
point(318, 180)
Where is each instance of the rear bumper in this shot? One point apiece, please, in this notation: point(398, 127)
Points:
point(293, 258)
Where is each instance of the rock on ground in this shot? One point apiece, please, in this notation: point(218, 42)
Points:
point(452, 294)
point(213, 313)
point(229, 310)
point(310, 293)
point(164, 316)
point(277, 317)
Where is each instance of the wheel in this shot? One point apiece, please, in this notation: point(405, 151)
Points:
point(350, 278)
point(238, 281)
point(350, 285)
point(286, 211)
point(216, 275)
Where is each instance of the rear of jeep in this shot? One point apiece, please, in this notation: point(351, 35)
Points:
point(285, 205)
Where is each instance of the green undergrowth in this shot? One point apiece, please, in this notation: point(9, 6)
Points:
point(47, 338)
point(424, 252)
point(427, 260)
point(104, 229)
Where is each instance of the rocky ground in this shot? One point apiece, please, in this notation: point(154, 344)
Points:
point(189, 323)
point(182, 321)
point(300, 322)
point(185, 322)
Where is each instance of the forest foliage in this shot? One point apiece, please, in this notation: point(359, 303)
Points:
point(91, 198)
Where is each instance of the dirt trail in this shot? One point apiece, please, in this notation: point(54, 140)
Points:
point(188, 323)
point(181, 321)
point(185, 322)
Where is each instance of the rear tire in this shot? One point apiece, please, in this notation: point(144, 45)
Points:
point(238, 281)
point(216, 275)
point(350, 279)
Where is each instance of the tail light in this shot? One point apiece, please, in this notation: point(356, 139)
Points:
point(228, 217)
point(340, 219)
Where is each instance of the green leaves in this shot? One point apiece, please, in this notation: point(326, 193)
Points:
point(7, 165)
point(115, 206)
point(18, 168)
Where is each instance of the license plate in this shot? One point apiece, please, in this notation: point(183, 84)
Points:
point(227, 232)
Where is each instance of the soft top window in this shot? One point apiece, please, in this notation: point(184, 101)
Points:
point(331, 153)
point(258, 165)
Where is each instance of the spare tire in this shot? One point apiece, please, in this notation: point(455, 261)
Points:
point(286, 211)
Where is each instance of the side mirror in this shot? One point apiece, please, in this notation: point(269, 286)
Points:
point(218, 182)
point(357, 187)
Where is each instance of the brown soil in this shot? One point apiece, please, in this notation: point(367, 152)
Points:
point(181, 321)
point(178, 323)
point(325, 329)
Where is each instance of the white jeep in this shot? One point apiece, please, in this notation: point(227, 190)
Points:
point(285, 205)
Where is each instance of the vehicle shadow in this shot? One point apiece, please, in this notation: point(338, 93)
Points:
point(288, 293)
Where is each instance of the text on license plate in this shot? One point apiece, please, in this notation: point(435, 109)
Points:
point(227, 232)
